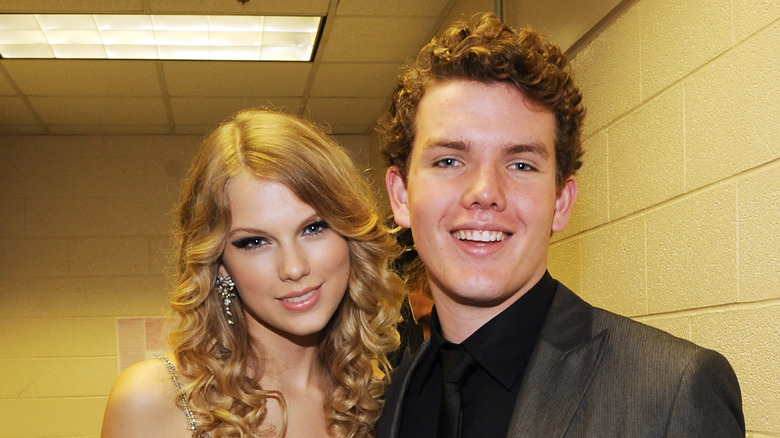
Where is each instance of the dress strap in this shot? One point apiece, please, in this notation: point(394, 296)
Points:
point(193, 424)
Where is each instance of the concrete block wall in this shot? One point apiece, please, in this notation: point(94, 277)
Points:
point(85, 238)
point(678, 217)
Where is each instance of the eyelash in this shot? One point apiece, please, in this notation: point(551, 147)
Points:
point(316, 227)
point(252, 242)
point(249, 242)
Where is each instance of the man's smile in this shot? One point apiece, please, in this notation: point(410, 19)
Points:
point(480, 235)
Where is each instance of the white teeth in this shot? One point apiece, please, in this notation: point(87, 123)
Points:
point(480, 236)
point(300, 298)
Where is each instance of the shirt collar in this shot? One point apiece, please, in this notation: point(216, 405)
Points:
point(504, 340)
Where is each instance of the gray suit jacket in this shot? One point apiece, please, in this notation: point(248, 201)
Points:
point(597, 374)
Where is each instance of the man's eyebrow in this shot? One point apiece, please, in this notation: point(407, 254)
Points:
point(534, 148)
point(448, 144)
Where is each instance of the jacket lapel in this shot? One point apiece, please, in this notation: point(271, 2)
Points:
point(561, 369)
point(390, 420)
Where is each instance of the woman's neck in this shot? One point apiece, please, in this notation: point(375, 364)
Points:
point(291, 362)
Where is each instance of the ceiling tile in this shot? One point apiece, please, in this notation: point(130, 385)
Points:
point(100, 110)
point(70, 77)
point(345, 111)
point(236, 79)
point(395, 7)
point(359, 39)
point(13, 111)
point(71, 6)
point(213, 111)
point(284, 7)
point(355, 80)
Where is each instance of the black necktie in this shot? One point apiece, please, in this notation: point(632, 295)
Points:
point(456, 366)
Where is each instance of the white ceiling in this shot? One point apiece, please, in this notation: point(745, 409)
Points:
point(346, 87)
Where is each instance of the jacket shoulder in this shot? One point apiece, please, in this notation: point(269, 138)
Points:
point(680, 387)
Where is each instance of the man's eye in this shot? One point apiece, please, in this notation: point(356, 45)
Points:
point(522, 166)
point(315, 228)
point(447, 162)
point(249, 242)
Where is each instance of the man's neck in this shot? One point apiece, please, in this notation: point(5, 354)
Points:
point(460, 319)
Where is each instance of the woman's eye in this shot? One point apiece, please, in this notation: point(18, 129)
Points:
point(447, 162)
point(249, 242)
point(315, 227)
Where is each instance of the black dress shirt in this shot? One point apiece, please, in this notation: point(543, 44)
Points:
point(502, 348)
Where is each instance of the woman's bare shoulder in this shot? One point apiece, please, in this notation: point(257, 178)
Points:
point(142, 403)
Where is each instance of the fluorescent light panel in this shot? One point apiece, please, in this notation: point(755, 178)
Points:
point(199, 37)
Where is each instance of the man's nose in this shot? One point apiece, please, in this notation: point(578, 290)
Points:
point(483, 188)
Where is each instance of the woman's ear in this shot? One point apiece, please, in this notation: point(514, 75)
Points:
point(396, 190)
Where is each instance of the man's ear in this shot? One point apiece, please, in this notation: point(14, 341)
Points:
point(564, 204)
point(396, 190)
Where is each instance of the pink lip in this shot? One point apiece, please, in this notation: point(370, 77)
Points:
point(301, 301)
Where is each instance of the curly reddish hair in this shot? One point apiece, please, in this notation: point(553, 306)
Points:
point(487, 50)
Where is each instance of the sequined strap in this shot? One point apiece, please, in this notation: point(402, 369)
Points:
point(193, 425)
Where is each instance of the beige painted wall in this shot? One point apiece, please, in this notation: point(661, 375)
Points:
point(677, 221)
point(84, 235)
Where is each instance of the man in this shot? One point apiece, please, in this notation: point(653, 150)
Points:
point(483, 140)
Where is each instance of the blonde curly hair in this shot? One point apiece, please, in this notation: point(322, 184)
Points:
point(216, 357)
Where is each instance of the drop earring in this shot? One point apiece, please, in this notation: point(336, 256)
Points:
point(227, 292)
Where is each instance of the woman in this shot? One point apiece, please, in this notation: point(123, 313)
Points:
point(285, 305)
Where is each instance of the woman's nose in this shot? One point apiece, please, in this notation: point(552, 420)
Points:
point(293, 263)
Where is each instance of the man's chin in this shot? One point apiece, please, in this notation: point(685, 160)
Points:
point(471, 299)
